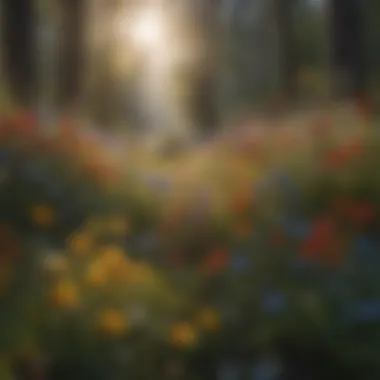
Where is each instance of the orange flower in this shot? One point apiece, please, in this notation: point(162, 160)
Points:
point(335, 158)
point(242, 202)
point(65, 295)
point(43, 215)
point(80, 243)
point(112, 322)
point(183, 335)
point(113, 257)
point(355, 148)
point(96, 275)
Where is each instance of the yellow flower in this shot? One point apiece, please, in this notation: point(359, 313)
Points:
point(118, 225)
point(113, 257)
point(96, 275)
point(80, 243)
point(208, 319)
point(65, 295)
point(43, 215)
point(140, 274)
point(112, 322)
point(183, 335)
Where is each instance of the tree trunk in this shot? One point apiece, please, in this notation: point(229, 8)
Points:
point(204, 99)
point(19, 48)
point(283, 9)
point(5, 96)
point(48, 17)
point(70, 52)
point(349, 55)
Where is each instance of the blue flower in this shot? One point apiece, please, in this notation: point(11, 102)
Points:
point(367, 311)
point(365, 247)
point(273, 302)
point(240, 262)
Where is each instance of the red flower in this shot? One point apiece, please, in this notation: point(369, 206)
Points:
point(25, 124)
point(326, 252)
point(322, 245)
point(242, 202)
point(341, 206)
point(335, 158)
point(355, 148)
point(216, 261)
point(323, 229)
point(310, 249)
point(362, 214)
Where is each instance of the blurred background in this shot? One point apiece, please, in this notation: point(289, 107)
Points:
point(189, 189)
point(225, 55)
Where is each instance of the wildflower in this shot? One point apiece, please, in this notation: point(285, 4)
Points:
point(96, 275)
point(362, 214)
point(183, 335)
point(216, 261)
point(113, 322)
point(65, 295)
point(208, 319)
point(113, 257)
point(80, 243)
point(43, 215)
